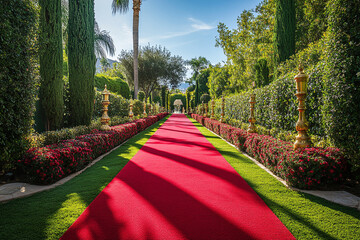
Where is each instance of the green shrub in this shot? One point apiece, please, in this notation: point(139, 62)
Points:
point(138, 107)
point(18, 31)
point(114, 84)
point(205, 98)
point(141, 96)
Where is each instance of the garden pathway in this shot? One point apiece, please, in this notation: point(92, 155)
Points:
point(178, 186)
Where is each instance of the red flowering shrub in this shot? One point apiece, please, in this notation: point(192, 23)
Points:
point(305, 168)
point(50, 163)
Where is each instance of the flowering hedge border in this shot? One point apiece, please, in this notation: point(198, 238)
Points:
point(308, 168)
point(45, 165)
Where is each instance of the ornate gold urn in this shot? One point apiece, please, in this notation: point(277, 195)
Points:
point(212, 109)
point(302, 125)
point(105, 117)
point(131, 114)
point(144, 113)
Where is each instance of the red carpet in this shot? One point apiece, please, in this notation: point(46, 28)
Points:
point(178, 186)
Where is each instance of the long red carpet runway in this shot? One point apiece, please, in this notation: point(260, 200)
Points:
point(178, 186)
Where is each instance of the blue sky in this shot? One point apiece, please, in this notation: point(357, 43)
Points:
point(185, 27)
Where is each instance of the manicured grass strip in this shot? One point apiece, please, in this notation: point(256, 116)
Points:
point(306, 216)
point(49, 214)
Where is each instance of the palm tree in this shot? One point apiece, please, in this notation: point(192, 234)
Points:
point(103, 42)
point(122, 6)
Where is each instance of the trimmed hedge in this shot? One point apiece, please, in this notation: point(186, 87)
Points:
point(114, 84)
point(45, 165)
point(308, 168)
point(18, 66)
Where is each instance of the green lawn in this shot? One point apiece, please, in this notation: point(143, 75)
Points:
point(49, 214)
point(306, 216)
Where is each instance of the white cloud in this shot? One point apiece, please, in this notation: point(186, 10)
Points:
point(199, 25)
point(196, 26)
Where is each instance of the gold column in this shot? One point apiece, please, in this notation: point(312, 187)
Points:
point(252, 120)
point(302, 125)
point(222, 119)
point(206, 109)
point(212, 109)
point(144, 113)
point(105, 117)
point(131, 114)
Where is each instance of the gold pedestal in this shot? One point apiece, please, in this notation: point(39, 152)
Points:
point(302, 125)
point(105, 117)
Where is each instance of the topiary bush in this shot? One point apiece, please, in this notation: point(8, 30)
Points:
point(18, 66)
point(114, 84)
point(205, 98)
point(141, 96)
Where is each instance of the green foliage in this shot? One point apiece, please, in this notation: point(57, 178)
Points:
point(163, 95)
point(114, 84)
point(261, 69)
point(51, 64)
point(105, 65)
point(18, 66)
point(205, 98)
point(219, 81)
point(141, 96)
point(138, 107)
point(175, 96)
point(341, 115)
point(251, 40)
point(81, 61)
point(156, 68)
point(284, 34)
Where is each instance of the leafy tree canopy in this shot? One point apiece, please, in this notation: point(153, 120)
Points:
point(157, 67)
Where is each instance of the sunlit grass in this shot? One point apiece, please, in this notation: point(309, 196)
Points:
point(306, 216)
point(49, 214)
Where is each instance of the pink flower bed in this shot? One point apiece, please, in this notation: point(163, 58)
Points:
point(50, 163)
point(307, 168)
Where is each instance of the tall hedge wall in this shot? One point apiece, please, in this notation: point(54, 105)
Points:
point(17, 83)
point(341, 109)
point(114, 84)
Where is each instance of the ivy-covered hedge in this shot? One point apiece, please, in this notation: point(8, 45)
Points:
point(341, 104)
point(45, 165)
point(114, 84)
point(18, 29)
point(308, 168)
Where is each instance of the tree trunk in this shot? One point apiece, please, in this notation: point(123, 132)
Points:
point(136, 8)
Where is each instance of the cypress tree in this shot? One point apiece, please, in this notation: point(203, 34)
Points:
point(81, 60)
point(284, 33)
point(51, 64)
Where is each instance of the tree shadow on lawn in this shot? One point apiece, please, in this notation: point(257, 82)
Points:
point(48, 214)
point(283, 209)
